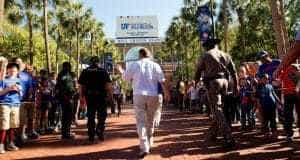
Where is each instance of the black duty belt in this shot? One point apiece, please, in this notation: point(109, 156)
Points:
point(218, 76)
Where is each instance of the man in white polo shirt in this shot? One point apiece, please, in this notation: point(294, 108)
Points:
point(145, 76)
point(292, 54)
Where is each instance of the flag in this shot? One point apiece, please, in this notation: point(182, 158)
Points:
point(204, 26)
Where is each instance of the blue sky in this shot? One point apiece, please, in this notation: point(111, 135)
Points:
point(106, 11)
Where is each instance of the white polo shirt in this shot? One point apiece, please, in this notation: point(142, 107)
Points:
point(145, 76)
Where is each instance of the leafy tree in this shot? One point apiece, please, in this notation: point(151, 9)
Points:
point(26, 11)
point(279, 26)
point(74, 19)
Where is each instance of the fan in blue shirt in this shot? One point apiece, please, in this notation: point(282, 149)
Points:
point(13, 97)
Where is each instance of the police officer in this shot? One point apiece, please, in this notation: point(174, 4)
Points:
point(96, 88)
point(216, 67)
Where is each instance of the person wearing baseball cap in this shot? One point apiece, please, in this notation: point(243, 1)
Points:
point(268, 65)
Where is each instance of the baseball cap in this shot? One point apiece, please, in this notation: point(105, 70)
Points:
point(94, 60)
point(261, 54)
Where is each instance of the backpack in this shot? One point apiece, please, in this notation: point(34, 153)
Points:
point(66, 84)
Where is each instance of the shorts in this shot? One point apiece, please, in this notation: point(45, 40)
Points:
point(27, 112)
point(45, 106)
point(9, 116)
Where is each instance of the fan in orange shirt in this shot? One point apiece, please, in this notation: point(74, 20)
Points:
point(291, 99)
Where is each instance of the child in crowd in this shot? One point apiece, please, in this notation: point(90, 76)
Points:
point(203, 101)
point(82, 108)
point(10, 100)
point(246, 98)
point(268, 100)
point(52, 117)
point(31, 127)
point(247, 104)
point(193, 93)
point(44, 94)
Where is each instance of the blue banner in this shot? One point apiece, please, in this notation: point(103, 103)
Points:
point(204, 26)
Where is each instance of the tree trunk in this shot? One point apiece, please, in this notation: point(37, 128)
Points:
point(92, 41)
point(56, 53)
point(30, 39)
point(2, 10)
point(77, 49)
point(56, 58)
point(240, 14)
point(279, 27)
point(70, 51)
point(285, 32)
point(45, 4)
point(225, 10)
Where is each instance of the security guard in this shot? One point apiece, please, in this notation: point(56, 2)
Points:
point(96, 88)
point(216, 68)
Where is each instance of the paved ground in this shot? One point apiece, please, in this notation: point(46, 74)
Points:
point(181, 136)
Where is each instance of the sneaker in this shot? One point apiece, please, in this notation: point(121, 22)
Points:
point(289, 139)
point(91, 139)
point(274, 135)
point(151, 141)
point(143, 154)
point(243, 128)
point(211, 138)
point(24, 137)
point(267, 135)
point(42, 131)
point(2, 150)
point(101, 137)
point(34, 135)
point(12, 147)
point(68, 137)
point(229, 144)
point(56, 130)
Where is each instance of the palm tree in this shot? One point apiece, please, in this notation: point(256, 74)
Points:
point(225, 22)
point(240, 7)
point(25, 10)
point(96, 33)
point(75, 19)
point(279, 26)
point(57, 29)
point(45, 31)
point(57, 34)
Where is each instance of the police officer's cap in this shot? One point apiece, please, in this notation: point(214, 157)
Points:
point(94, 60)
point(211, 42)
point(261, 54)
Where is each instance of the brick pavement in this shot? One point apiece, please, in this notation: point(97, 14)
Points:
point(180, 137)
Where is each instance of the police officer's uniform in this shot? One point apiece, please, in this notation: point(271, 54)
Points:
point(94, 79)
point(216, 66)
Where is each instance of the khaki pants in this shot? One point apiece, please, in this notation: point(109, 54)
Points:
point(145, 109)
point(9, 117)
point(217, 89)
point(28, 115)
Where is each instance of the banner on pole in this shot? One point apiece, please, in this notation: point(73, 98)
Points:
point(204, 26)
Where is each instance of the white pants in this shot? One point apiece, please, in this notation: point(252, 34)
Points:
point(145, 109)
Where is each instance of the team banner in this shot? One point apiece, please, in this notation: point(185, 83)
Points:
point(204, 23)
point(137, 27)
